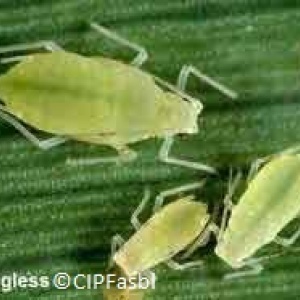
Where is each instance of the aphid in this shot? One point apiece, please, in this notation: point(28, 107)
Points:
point(98, 100)
point(270, 202)
point(176, 227)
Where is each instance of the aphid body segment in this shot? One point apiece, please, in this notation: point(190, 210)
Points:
point(270, 202)
point(166, 233)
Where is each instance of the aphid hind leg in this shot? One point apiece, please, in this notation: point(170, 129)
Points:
point(49, 46)
point(125, 155)
point(164, 156)
point(187, 71)
point(161, 197)
point(142, 54)
point(135, 216)
point(43, 144)
point(173, 264)
point(254, 268)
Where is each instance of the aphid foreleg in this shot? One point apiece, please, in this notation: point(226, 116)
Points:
point(125, 155)
point(142, 54)
point(26, 47)
point(185, 73)
point(43, 144)
point(173, 264)
point(134, 218)
point(160, 198)
point(164, 155)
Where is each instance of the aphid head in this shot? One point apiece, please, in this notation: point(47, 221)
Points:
point(182, 115)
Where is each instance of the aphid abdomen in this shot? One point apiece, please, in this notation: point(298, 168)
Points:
point(65, 93)
point(271, 201)
point(166, 233)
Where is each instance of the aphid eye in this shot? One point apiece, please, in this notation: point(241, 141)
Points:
point(2, 103)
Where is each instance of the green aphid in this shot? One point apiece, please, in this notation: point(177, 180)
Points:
point(97, 100)
point(174, 228)
point(270, 202)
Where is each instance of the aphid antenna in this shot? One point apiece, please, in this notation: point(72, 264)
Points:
point(175, 191)
point(50, 46)
point(139, 59)
point(187, 187)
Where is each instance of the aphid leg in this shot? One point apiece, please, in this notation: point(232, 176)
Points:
point(134, 218)
point(43, 144)
point(228, 204)
point(171, 263)
point(116, 242)
point(287, 242)
point(142, 54)
point(164, 156)
point(125, 155)
point(44, 45)
point(160, 198)
point(254, 268)
point(185, 73)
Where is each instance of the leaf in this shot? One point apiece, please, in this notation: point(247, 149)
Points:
point(56, 218)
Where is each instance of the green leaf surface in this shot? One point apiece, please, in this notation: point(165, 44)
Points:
point(57, 218)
